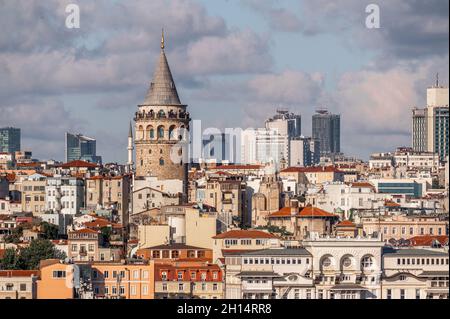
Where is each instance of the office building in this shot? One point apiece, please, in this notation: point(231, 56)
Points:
point(80, 147)
point(326, 128)
point(304, 151)
point(285, 123)
point(430, 125)
point(9, 140)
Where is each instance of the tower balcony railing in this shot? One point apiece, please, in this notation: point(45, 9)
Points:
point(162, 116)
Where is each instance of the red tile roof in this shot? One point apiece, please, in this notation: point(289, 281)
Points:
point(244, 234)
point(346, 223)
point(187, 270)
point(310, 211)
point(284, 212)
point(427, 240)
point(391, 204)
point(79, 164)
point(19, 273)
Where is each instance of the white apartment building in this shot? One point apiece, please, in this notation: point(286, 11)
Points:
point(277, 273)
point(345, 197)
point(262, 146)
point(64, 195)
point(415, 274)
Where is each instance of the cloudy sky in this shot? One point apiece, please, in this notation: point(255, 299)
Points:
point(234, 63)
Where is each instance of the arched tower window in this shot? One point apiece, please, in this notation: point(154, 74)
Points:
point(171, 132)
point(161, 132)
point(161, 114)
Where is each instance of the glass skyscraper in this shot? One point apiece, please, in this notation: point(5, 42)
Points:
point(80, 147)
point(9, 140)
point(326, 128)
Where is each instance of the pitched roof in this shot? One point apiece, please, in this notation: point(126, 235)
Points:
point(162, 89)
point(236, 167)
point(391, 204)
point(284, 212)
point(310, 211)
point(245, 234)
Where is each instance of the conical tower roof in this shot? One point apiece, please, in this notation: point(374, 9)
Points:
point(162, 89)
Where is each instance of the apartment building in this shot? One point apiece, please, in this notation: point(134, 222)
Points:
point(108, 191)
point(181, 280)
point(33, 194)
point(18, 284)
point(123, 280)
point(277, 273)
point(415, 274)
point(239, 240)
point(404, 227)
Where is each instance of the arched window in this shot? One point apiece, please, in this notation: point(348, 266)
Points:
point(160, 132)
point(141, 132)
point(367, 262)
point(171, 132)
point(152, 133)
point(161, 161)
point(161, 114)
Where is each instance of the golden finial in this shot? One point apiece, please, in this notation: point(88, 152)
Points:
point(162, 40)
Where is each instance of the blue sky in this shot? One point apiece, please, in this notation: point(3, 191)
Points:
point(234, 62)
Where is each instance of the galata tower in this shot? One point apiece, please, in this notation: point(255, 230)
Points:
point(160, 122)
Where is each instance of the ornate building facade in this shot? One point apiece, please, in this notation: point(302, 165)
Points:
point(162, 123)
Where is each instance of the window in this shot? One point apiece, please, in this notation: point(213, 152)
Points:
point(180, 287)
point(164, 287)
point(326, 262)
point(367, 262)
point(122, 290)
point(215, 287)
point(59, 274)
point(133, 290)
point(347, 262)
point(145, 274)
point(91, 247)
point(136, 274)
point(114, 290)
point(193, 275)
point(180, 275)
point(417, 293)
point(402, 293)
point(145, 290)
point(389, 294)
point(23, 287)
point(106, 274)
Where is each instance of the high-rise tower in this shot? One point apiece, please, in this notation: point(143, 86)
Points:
point(160, 122)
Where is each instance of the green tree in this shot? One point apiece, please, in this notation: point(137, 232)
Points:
point(106, 234)
point(49, 231)
point(15, 235)
point(39, 249)
point(9, 260)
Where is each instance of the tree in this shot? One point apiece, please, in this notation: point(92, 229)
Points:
point(15, 236)
point(106, 234)
point(39, 249)
point(9, 260)
point(49, 231)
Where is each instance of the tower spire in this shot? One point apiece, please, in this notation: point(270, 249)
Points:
point(162, 40)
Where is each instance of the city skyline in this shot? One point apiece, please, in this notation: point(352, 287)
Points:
point(273, 57)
